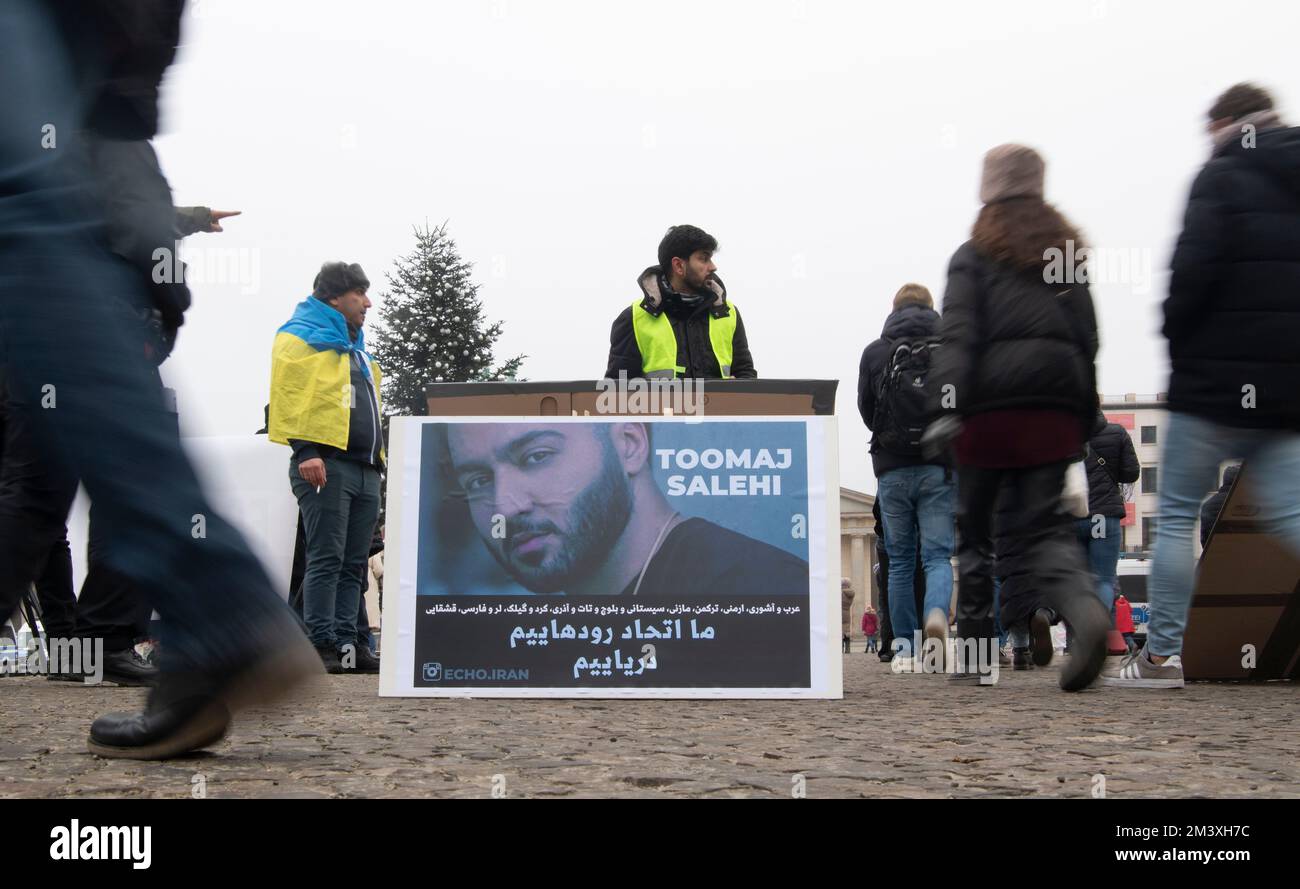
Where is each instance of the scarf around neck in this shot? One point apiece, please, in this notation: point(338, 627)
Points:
point(324, 327)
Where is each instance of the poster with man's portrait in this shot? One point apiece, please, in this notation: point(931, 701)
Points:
point(612, 556)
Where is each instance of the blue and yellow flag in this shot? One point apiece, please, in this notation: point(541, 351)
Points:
point(311, 377)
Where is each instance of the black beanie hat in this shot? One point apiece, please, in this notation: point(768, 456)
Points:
point(337, 278)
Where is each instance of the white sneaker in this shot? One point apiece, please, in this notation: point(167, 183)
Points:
point(1137, 671)
point(936, 635)
point(901, 664)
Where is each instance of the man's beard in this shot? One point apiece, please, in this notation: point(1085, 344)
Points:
point(595, 521)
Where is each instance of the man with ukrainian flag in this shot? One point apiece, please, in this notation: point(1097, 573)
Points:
point(325, 404)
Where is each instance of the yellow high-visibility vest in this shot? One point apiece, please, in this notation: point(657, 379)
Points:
point(658, 344)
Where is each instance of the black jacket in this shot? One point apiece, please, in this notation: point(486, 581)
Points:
point(1211, 508)
point(1109, 442)
point(120, 49)
point(1232, 317)
point(691, 326)
point(1013, 341)
point(909, 322)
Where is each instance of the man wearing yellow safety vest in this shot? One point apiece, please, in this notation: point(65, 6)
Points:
point(325, 404)
point(682, 324)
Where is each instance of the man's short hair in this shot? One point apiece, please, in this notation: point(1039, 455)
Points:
point(336, 278)
point(682, 241)
point(1240, 100)
point(913, 295)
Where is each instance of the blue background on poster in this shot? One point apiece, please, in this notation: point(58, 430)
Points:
point(452, 558)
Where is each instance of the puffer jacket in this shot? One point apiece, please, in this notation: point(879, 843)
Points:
point(1013, 341)
point(1232, 316)
point(1109, 442)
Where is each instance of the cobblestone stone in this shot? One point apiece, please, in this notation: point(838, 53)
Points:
point(891, 736)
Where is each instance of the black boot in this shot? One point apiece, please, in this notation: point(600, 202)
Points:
point(981, 631)
point(190, 710)
point(329, 656)
point(1089, 620)
point(174, 722)
point(1040, 636)
point(357, 659)
point(1020, 659)
point(126, 667)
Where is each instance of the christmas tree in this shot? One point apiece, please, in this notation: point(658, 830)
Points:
point(431, 326)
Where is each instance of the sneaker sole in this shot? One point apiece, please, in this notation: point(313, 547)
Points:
point(130, 681)
point(1116, 682)
point(206, 728)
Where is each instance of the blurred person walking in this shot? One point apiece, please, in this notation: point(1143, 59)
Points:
point(94, 401)
point(1016, 395)
point(1232, 321)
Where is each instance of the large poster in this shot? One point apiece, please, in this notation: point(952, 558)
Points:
point(607, 557)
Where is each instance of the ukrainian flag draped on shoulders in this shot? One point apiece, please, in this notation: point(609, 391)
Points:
point(311, 394)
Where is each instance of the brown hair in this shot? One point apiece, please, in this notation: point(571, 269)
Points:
point(1019, 230)
point(913, 295)
point(1239, 100)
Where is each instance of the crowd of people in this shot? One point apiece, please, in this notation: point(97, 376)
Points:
point(976, 413)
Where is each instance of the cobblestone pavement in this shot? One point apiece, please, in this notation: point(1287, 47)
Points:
point(891, 736)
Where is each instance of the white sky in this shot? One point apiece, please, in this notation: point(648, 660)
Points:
point(833, 148)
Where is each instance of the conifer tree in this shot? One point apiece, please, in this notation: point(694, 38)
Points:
point(431, 326)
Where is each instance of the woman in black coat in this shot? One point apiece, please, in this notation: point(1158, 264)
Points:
point(1016, 368)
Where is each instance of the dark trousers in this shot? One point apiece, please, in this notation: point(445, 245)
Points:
point(1039, 563)
point(54, 592)
point(338, 525)
point(33, 515)
point(111, 606)
point(365, 638)
point(65, 341)
point(882, 578)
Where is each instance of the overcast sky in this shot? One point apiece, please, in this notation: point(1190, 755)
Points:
point(833, 148)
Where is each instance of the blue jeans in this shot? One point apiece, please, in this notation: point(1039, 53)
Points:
point(1103, 554)
point(1195, 448)
point(338, 523)
point(67, 338)
point(917, 501)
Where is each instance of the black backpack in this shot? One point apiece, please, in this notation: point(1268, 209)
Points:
point(903, 399)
